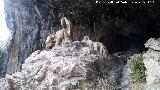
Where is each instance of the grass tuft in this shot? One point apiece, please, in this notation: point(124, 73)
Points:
point(137, 67)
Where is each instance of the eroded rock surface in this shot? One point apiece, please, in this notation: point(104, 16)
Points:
point(28, 31)
point(66, 67)
point(153, 43)
point(152, 61)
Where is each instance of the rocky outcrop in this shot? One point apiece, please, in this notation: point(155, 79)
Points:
point(153, 44)
point(66, 67)
point(118, 27)
point(152, 61)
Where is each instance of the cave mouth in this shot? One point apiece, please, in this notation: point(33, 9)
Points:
point(121, 27)
point(116, 42)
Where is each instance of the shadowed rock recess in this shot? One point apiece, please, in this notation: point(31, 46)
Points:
point(122, 28)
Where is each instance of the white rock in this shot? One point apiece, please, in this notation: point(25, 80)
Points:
point(153, 43)
point(152, 64)
point(56, 69)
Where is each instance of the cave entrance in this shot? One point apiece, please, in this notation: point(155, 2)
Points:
point(117, 42)
point(124, 27)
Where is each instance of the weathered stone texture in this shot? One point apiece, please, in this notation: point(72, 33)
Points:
point(66, 68)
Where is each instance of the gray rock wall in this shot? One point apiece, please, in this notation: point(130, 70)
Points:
point(24, 18)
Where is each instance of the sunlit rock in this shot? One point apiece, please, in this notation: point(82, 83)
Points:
point(152, 62)
point(65, 68)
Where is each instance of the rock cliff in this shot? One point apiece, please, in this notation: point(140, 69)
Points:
point(28, 30)
point(123, 29)
point(118, 27)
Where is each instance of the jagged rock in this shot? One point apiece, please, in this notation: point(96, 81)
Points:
point(152, 64)
point(153, 43)
point(152, 61)
point(64, 68)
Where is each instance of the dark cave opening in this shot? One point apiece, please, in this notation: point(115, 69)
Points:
point(116, 42)
point(126, 27)
point(132, 35)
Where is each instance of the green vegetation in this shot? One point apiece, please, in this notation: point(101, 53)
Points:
point(137, 68)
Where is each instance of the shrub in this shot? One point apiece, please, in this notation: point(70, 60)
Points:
point(137, 67)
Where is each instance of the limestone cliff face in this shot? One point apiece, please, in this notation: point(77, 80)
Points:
point(29, 28)
point(117, 27)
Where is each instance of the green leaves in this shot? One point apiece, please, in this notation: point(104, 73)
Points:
point(137, 68)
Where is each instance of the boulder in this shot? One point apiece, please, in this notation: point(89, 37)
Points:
point(153, 43)
point(65, 68)
point(152, 61)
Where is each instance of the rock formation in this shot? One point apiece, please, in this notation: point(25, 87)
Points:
point(66, 67)
point(152, 61)
point(123, 29)
point(31, 21)
point(29, 29)
point(62, 35)
point(50, 41)
point(72, 66)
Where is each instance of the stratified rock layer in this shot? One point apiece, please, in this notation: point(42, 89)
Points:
point(65, 67)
